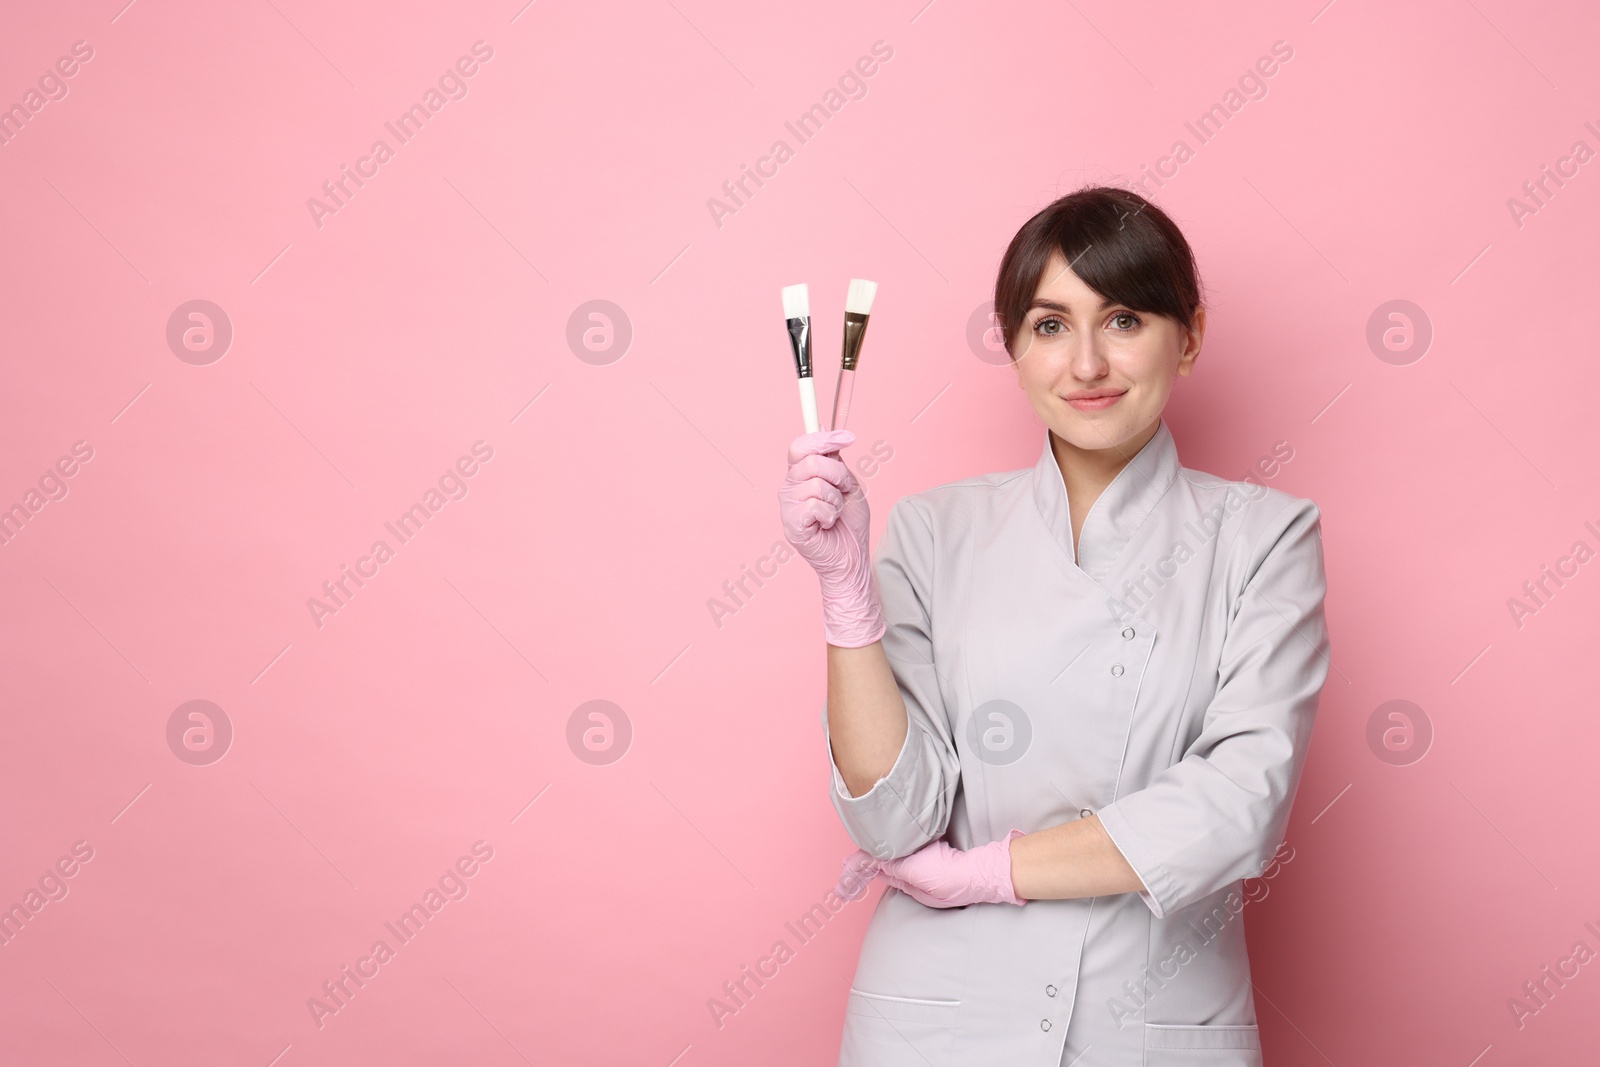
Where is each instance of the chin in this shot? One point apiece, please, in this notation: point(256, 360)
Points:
point(1097, 431)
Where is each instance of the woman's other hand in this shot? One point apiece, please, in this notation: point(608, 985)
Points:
point(826, 519)
point(944, 877)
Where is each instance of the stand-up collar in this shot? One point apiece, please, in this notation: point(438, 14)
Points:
point(1120, 509)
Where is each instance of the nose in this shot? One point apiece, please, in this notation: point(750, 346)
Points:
point(1086, 357)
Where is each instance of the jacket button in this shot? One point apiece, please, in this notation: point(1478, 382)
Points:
point(1044, 1024)
point(1127, 631)
point(1116, 668)
point(1049, 990)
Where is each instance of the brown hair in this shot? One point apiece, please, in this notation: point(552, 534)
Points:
point(1121, 245)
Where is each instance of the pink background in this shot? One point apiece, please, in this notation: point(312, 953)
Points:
point(370, 353)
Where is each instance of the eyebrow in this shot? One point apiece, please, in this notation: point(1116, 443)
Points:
point(1051, 305)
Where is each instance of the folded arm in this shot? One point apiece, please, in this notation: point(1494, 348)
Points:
point(1219, 813)
point(1070, 860)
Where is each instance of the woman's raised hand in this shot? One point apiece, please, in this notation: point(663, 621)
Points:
point(826, 520)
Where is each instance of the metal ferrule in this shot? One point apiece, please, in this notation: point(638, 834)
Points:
point(855, 328)
point(800, 341)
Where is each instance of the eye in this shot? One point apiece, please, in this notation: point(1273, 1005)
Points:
point(1134, 321)
point(1049, 326)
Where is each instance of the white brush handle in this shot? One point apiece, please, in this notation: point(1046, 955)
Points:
point(808, 403)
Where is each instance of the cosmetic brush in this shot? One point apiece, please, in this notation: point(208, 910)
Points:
point(797, 310)
point(857, 306)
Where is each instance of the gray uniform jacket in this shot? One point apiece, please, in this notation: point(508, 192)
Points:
point(1167, 679)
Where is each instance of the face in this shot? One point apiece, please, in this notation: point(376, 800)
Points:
point(1097, 372)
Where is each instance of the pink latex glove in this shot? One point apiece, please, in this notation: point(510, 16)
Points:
point(944, 877)
point(825, 518)
point(860, 868)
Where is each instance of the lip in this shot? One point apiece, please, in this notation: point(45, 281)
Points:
point(1095, 399)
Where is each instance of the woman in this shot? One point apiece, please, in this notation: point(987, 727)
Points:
point(1068, 710)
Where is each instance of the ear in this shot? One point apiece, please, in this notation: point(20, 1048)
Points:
point(1193, 339)
point(1026, 341)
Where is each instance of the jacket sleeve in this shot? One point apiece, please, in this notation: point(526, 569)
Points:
point(910, 806)
point(1219, 813)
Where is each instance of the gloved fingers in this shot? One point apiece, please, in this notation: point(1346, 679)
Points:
point(820, 443)
point(830, 468)
point(848, 483)
point(926, 862)
point(861, 860)
point(818, 513)
point(856, 874)
point(804, 510)
point(916, 892)
point(895, 881)
point(936, 868)
point(818, 489)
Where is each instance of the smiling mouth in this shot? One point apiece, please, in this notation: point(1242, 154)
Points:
point(1097, 403)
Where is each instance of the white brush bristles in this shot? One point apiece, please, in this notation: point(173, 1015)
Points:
point(862, 292)
point(796, 301)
